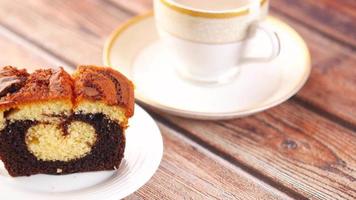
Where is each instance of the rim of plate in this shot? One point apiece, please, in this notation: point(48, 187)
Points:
point(204, 115)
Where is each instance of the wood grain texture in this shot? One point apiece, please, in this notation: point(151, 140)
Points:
point(335, 19)
point(288, 144)
point(72, 28)
point(135, 6)
point(15, 54)
point(331, 86)
point(188, 172)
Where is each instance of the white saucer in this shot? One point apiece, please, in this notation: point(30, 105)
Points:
point(143, 154)
point(135, 50)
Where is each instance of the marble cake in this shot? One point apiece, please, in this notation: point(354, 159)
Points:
point(55, 123)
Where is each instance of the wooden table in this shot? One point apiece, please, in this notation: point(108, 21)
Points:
point(302, 149)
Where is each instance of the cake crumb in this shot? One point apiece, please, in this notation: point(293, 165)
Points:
point(59, 171)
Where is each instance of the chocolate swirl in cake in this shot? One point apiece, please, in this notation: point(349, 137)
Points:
point(105, 153)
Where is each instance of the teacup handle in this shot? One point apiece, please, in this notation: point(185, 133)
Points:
point(275, 42)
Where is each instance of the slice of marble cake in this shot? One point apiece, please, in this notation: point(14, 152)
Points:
point(55, 123)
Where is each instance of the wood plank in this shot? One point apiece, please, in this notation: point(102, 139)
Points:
point(331, 86)
point(189, 172)
point(288, 144)
point(334, 18)
point(266, 155)
point(77, 33)
point(15, 54)
point(134, 6)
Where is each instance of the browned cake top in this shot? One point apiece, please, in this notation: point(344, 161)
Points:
point(88, 83)
point(98, 83)
point(11, 80)
point(19, 87)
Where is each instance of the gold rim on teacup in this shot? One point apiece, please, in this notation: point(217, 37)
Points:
point(207, 14)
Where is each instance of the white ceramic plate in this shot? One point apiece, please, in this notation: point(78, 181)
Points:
point(135, 50)
point(143, 153)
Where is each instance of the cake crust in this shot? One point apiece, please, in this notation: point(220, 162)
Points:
point(96, 84)
point(19, 88)
point(89, 83)
point(11, 80)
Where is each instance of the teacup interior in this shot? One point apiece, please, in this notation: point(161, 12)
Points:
point(213, 5)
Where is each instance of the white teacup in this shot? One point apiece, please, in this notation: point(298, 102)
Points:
point(208, 38)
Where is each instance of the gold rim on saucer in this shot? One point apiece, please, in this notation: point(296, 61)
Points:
point(206, 115)
point(109, 43)
point(205, 14)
